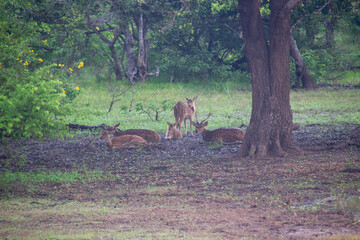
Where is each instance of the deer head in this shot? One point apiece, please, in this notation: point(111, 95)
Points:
point(200, 127)
point(172, 132)
point(191, 102)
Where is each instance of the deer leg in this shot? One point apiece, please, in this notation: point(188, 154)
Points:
point(185, 126)
point(178, 126)
point(191, 133)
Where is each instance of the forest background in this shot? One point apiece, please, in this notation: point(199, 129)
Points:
point(93, 62)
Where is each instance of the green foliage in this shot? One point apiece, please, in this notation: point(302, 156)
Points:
point(30, 93)
point(319, 63)
point(153, 110)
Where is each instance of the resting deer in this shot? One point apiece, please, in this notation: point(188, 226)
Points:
point(123, 141)
point(219, 135)
point(173, 132)
point(148, 135)
point(182, 112)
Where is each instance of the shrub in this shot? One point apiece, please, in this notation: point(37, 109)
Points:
point(30, 93)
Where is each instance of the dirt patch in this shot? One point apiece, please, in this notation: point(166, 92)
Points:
point(195, 189)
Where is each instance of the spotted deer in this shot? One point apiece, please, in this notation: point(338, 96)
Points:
point(219, 135)
point(183, 111)
point(123, 141)
point(147, 134)
point(173, 132)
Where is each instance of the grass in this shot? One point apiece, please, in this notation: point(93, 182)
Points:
point(135, 211)
point(83, 219)
point(9, 179)
point(119, 212)
point(229, 106)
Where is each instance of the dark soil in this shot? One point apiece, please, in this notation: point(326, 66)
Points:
point(234, 197)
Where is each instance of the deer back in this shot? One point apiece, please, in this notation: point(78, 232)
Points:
point(123, 141)
point(224, 135)
point(148, 135)
point(183, 111)
point(127, 141)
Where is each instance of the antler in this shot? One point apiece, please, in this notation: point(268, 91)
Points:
point(206, 118)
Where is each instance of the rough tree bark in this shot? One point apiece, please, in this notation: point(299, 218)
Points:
point(142, 57)
point(270, 128)
point(130, 56)
point(302, 74)
point(144, 43)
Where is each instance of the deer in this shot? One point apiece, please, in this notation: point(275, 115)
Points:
point(182, 112)
point(123, 141)
point(147, 134)
point(173, 132)
point(219, 135)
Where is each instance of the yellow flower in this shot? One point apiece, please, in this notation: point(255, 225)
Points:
point(97, 28)
point(77, 88)
point(51, 75)
point(45, 41)
point(26, 63)
point(0, 64)
point(59, 65)
point(63, 90)
point(230, 56)
point(71, 69)
point(21, 61)
point(40, 60)
point(81, 65)
point(63, 65)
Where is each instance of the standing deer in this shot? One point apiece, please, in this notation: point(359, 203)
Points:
point(123, 141)
point(148, 135)
point(173, 132)
point(219, 135)
point(182, 112)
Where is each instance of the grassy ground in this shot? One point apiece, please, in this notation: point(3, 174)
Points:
point(229, 105)
point(186, 198)
point(222, 197)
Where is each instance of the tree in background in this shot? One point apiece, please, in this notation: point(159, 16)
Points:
point(270, 129)
point(313, 29)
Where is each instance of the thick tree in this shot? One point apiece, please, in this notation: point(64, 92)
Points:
point(270, 129)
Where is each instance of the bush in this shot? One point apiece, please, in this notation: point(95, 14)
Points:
point(30, 94)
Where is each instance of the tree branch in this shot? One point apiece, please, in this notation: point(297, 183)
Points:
point(315, 13)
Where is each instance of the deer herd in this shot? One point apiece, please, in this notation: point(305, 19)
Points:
point(135, 138)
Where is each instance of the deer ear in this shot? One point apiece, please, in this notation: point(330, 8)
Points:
point(168, 123)
point(187, 99)
point(206, 123)
point(117, 125)
point(195, 98)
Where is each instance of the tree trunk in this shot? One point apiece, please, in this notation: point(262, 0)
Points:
point(130, 56)
point(302, 73)
point(142, 65)
point(330, 26)
point(330, 33)
point(270, 129)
